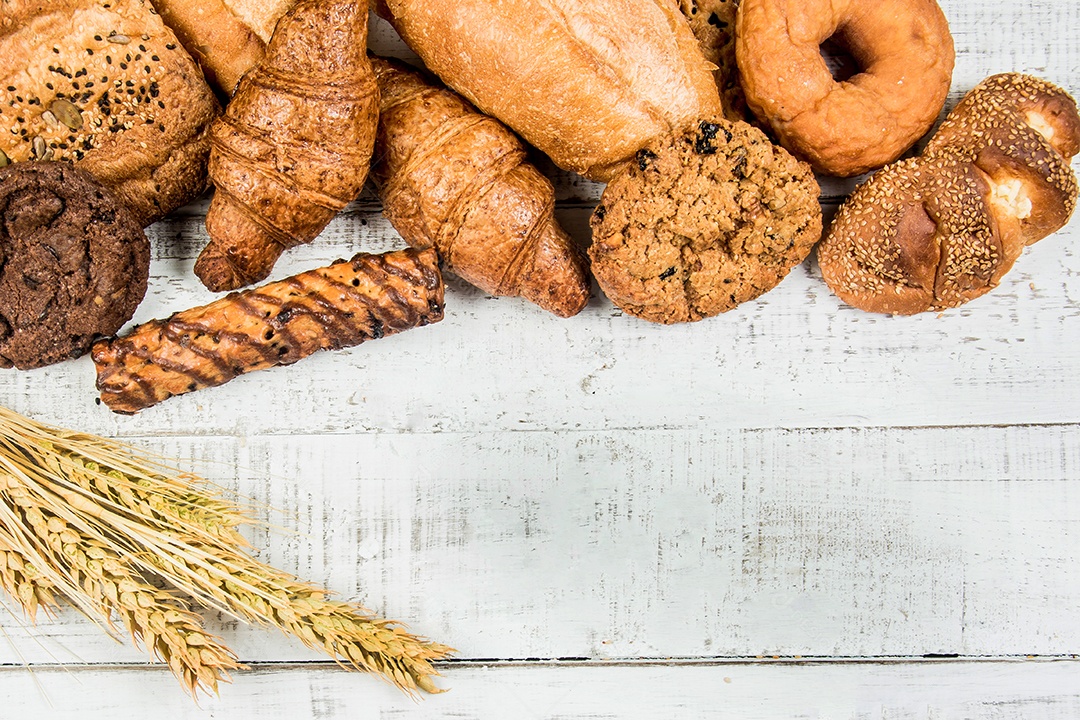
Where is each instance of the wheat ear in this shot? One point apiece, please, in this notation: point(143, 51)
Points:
point(174, 527)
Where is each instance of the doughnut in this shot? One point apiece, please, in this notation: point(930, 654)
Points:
point(845, 128)
point(936, 231)
point(703, 221)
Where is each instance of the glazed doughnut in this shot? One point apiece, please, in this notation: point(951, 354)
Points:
point(936, 231)
point(845, 128)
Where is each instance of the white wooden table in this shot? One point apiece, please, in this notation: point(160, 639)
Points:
point(796, 509)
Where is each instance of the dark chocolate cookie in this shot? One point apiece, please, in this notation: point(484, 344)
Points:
point(73, 263)
point(703, 221)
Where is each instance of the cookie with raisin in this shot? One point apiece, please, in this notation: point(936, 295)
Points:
point(704, 220)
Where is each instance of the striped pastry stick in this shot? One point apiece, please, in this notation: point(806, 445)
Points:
point(368, 297)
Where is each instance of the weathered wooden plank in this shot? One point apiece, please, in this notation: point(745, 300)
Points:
point(918, 691)
point(665, 543)
point(797, 357)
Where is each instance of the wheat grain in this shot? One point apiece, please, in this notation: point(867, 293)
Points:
point(91, 514)
point(104, 586)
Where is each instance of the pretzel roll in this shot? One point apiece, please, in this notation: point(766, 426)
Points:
point(936, 231)
point(903, 48)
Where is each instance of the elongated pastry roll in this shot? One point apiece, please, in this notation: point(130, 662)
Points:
point(368, 297)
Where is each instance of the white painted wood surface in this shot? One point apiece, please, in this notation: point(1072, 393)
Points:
point(795, 479)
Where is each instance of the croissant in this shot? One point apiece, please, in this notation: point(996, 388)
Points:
point(456, 180)
point(294, 145)
point(368, 297)
point(935, 231)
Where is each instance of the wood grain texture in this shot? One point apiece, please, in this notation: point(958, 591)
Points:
point(795, 477)
point(658, 543)
point(596, 691)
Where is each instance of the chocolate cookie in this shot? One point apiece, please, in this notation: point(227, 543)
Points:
point(73, 263)
point(703, 221)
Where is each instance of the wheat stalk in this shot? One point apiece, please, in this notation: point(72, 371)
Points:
point(73, 503)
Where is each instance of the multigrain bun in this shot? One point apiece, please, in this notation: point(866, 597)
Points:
point(104, 84)
point(936, 231)
point(73, 263)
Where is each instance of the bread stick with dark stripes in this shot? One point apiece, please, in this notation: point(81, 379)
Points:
point(339, 306)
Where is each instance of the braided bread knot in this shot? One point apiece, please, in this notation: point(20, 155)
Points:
point(938, 230)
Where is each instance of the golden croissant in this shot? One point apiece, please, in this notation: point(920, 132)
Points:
point(294, 146)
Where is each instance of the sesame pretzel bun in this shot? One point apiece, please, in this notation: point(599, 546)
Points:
point(936, 231)
point(845, 128)
point(104, 84)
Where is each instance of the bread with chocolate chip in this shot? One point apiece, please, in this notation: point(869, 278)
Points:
point(73, 263)
point(104, 84)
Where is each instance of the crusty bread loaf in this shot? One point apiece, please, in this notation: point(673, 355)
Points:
point(589, 82)
point(936, 231)
point(106, 84)
point(227, 37)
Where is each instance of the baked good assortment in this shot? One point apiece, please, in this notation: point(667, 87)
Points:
point(457, 180)
point(623, 85)
point(699, 225)
point(936, 231)
point(701, 212)
point(105, 84)
point(345, 304)
point(73, 263)
point(905, 54)
point(294, 145)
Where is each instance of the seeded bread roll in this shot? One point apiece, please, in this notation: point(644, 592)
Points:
point(936, 231)
point(104, 84)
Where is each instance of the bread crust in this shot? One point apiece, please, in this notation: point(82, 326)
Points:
point(593, 81)
point(105, 84)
